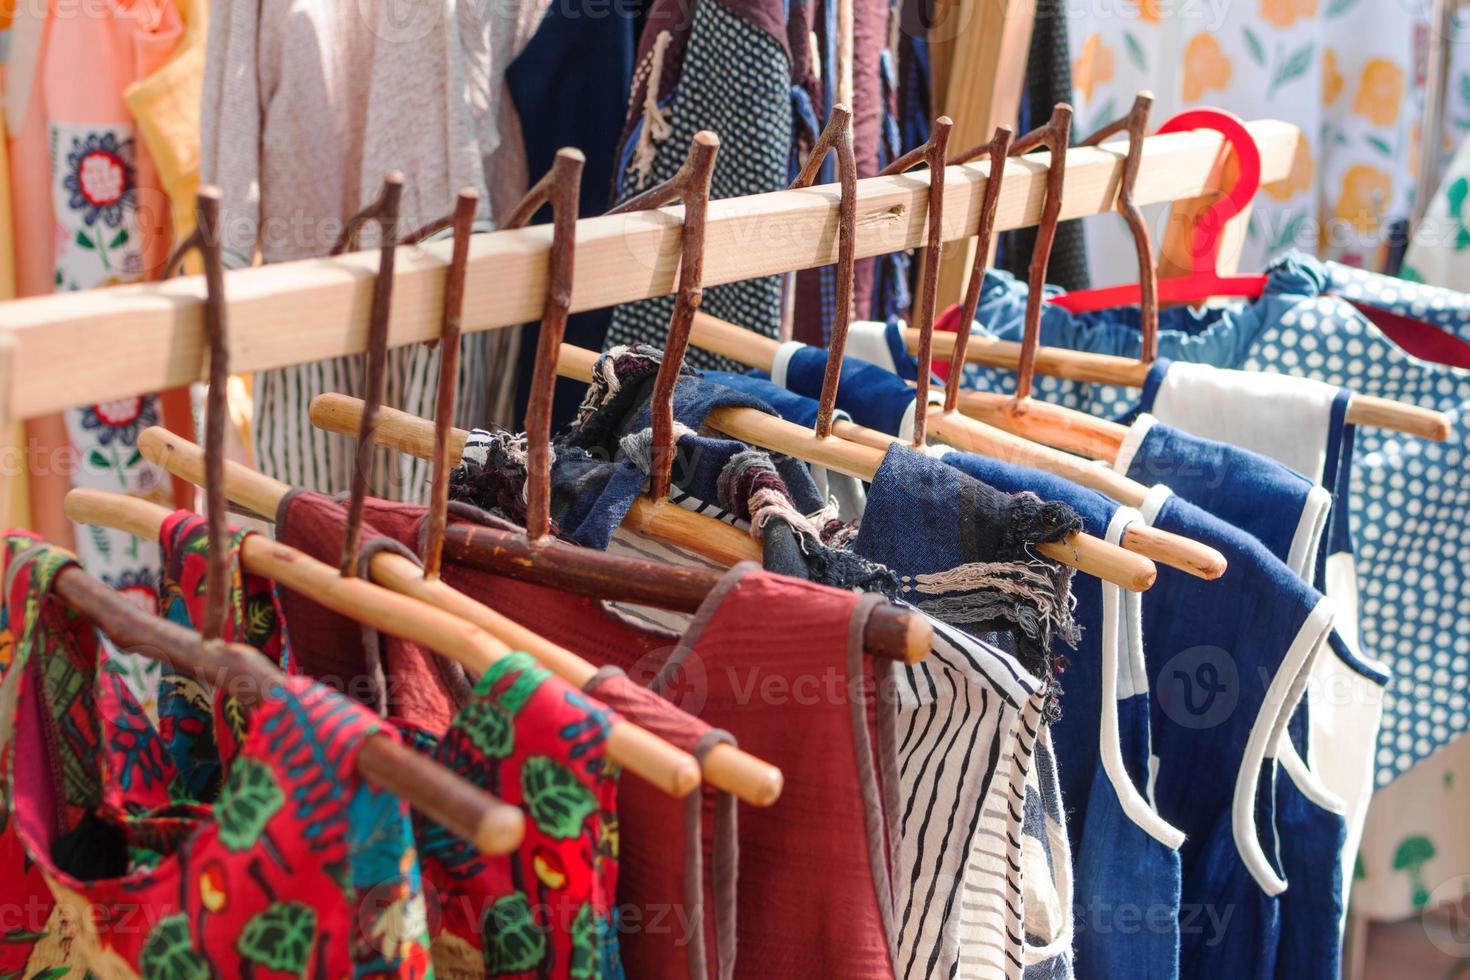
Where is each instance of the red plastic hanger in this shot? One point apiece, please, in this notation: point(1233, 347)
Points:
point(1204, 280)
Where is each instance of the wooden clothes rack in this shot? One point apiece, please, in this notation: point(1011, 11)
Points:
point(86, 347)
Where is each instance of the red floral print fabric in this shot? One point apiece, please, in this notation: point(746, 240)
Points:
point(192, 725)
point(301, 868)
point(545, 911)
point(525, 736)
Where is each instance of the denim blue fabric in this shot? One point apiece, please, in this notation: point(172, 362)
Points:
point(1229, 927)
point(1242, 488)
point(872, 395)
point(962, 551)
point(1221, 659)
point(1217, 654)
point(788, 404)
point(1312, 839)
point(589, 516)
point(1410, 499)
point(1267, 500)
point(1126, 881)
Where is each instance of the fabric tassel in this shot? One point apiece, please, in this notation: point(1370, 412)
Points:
point(656, 126)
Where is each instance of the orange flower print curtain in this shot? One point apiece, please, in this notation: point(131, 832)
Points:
point(1348, 72)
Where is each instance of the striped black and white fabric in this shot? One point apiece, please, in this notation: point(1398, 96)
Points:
point(289, 448)
point(968, 716)
point(1046, 868)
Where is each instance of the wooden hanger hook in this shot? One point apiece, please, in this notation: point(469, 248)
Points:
point(1055, 136)
point(690, 185)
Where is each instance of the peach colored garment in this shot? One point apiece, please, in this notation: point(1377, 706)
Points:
point(88, 211)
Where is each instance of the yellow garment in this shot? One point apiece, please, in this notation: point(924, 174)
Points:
point(165, 107)
point(14, 487)
point(7, 239)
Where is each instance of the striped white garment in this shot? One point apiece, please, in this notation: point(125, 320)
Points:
point(963, 754)
point(289, 448)
point(1046, 867)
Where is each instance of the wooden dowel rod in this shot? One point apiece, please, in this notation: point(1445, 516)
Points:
point(400, 430)
point(1054, 425)
point(86, 347)
point(1081, 551)
point(1110, 369)
point(494, 827)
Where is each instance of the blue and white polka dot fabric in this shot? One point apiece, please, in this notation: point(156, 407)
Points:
point(1410, 497)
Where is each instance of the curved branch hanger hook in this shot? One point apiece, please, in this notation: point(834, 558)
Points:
point(932, 153)
point(561, 188)
point(836, 138)
point(690, 185)
point(1054, 136)
point(206, 239)
point(385, 212)
point(997, 150)
point(1135, 124)
point(462, 220)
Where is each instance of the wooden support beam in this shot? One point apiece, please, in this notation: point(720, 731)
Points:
point(84, 347)
point(1178, 240)
point(983, 83)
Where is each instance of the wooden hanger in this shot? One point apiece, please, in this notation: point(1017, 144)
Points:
point(462, 220)
point(760, 352)
point(726, 766)
point(491, 825)
point(1102, 441)
point(932, 155)
point(206, 241)
point(891, 632)
point(1055, 425)
point(384, 211)
point(641, 752)
point(835, 138)
point(448, 799)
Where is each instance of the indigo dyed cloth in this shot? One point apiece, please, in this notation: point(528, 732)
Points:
point(1126, 856)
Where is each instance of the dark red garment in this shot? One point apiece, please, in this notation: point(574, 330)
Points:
point(663, 887)
point(398, 679)
point(1425, 341)
point(779, 662)
point(545, 910)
